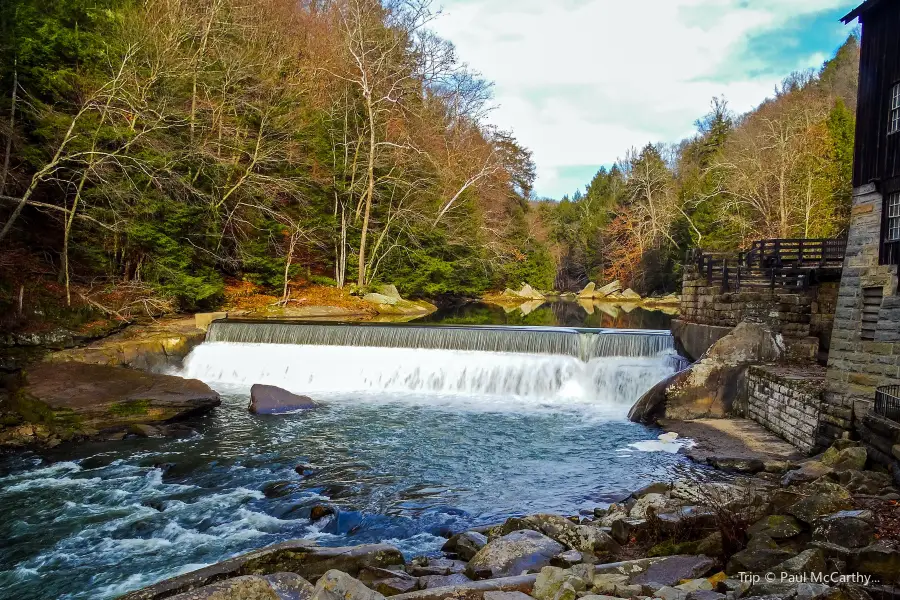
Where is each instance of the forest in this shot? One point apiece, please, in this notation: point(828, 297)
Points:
point(155, 150)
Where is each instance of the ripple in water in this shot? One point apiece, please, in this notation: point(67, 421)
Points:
point(408, 446)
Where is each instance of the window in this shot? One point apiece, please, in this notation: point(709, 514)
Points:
point(893, 218)
point(894, 120)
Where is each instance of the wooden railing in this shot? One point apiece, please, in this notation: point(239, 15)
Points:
point(782, 263)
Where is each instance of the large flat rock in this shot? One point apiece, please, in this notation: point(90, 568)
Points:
point(301, 557)
point(103, 397)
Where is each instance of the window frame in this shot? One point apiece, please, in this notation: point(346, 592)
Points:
point(894, 109)
point(892, 218)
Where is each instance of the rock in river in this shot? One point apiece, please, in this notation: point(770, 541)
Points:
point(75, 399)
point(272, 400)
point(513, 554)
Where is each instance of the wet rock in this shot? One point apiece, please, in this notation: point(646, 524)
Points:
point(279, 489)
point(319, 512)
point(777, 527)
point(145, 431)
point(272, 400)
point(305, 470)
point(624, 530)
point(881, 559)
point(465, 545)
point(157, 505)
point(513, 554)
point(279, 586)
point(865, 482)
point(674, 569)
point(336, 585)
point(851, 529)
point(848, 459)
point(737, 465)
point(812, 507)
point(301, 557)
point(434, 581)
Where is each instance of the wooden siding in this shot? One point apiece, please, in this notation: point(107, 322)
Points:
point(877, 154)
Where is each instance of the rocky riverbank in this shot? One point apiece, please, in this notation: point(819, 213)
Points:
point(823, 529)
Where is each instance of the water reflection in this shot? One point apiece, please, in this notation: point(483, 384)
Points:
point(559, 313)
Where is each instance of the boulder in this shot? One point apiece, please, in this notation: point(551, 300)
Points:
point(301, 557)
point(588, 291)
point(649, 503)
point(279, 586)
point(551, 581)
point(392, 586)
point(584, 538)
point(272, 400)
point(513, 554)
point(337, 585)
point(777, 527)
point(848, 459)
point(424, 566)
point(567, 559)
point(529, 293)
point(812, 507)
point(881, 559)
point(389, 290)
point(849, 528)
point(465, 545)
point(71, 400)
point(630, 294)
point(506, 596)
point(613, 287)
point(808, 561)
point(709, 387)
point(381, 299)
point(756, 559)
point(737, 465)
point(809, 472)
point(675, 569)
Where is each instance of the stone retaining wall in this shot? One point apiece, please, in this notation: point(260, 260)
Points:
point(787, 402)
point(808, 313)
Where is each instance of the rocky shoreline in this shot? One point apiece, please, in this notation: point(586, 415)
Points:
point(823, 529)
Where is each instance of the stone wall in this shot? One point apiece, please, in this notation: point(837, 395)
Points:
point(856, 365)
point(787, 402)
point(803, 314)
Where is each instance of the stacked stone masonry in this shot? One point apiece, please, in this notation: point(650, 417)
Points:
point(856, 365)
point(787, 402)
point(797, 315)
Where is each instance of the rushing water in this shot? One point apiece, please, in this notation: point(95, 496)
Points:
point(408, 445)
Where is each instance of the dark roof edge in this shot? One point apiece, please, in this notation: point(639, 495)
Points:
point(860, 10)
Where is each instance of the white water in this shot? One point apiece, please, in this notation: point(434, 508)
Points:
point(487, 381)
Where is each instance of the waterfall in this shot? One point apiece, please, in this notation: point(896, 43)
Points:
point(585, 344)
point(487, 379)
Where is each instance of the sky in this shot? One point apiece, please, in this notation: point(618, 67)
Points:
point(579, 82)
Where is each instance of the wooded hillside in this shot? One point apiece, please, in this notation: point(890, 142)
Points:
point(782, 170)
point(169, 144)
point(153, 150)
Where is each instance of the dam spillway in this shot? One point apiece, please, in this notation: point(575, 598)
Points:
point(584, 344)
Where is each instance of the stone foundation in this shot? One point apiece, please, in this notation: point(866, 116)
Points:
point(861, 359)
point(786, 401)
point(806, 315)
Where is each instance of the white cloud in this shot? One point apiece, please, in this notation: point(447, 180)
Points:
point(580, 81)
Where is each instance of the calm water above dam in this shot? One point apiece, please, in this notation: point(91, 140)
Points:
point(409, 444)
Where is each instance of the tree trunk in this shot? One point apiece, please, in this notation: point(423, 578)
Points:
point(12, 125)
point(370, 192)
